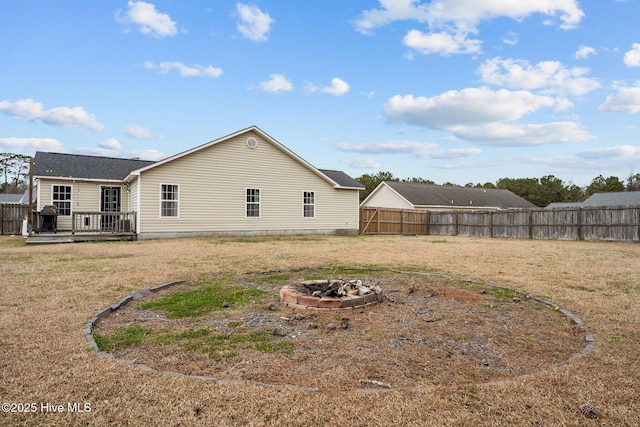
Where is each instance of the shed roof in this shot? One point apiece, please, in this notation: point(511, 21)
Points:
point(11, 199)
point(621, 198)
point(439, 195)
point(59, 165)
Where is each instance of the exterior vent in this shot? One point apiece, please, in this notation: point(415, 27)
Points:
point(252, 142)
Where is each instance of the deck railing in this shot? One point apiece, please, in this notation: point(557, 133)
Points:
point(103, 222)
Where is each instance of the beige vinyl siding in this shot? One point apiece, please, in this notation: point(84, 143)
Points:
point(130, 196)
point(213, 183)
point(385, 197)
point(85, 197)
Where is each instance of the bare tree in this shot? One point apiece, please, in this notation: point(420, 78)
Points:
point(15, 170)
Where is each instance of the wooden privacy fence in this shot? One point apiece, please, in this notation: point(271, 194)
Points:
point(11, 218)
point(620, 223)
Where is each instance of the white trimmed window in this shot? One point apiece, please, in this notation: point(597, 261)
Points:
point(61, 199)
point(253, 203)
point(309, 204)
point(169, 200)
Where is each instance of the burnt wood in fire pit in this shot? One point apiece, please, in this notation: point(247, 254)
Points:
point(338, 288)
point(335, 294)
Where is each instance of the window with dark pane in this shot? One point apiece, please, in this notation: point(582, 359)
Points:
point(61, 199)
point(253, 203)
point(309, 204)
point(169, 200)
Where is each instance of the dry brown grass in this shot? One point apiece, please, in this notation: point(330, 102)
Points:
point(49, 292)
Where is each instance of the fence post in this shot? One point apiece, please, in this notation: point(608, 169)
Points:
point(402, 222)
point(426, 219)
point(531, 223)
point(579, 224)
point(491, 224)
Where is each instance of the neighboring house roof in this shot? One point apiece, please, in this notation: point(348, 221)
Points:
point(424, 195)
point(619, 198)
point(12, 199)
point(555, 205)
point(336, 178)
point(622, 198)
point(59, 165)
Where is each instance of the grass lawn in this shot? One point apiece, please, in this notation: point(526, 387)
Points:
point(47, 293)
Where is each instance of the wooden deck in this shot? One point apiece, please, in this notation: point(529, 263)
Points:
point(68, 237)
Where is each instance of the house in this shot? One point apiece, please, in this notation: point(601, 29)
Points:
point(406, 195)
point(618, 198)
point(245, 183)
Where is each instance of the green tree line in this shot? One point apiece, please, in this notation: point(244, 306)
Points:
point(539, 191)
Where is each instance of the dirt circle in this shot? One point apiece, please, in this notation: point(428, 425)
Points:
point(430, 331)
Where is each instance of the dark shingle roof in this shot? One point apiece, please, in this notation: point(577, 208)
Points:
point(341, 178)
point(622, 198)
point(84, 167)
point(439, 195)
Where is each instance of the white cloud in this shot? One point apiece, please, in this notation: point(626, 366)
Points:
point(625, 99)
point(583, 52)
point(149, 21)
point(422, 150)
point(444, 43)
point(485, 116)
point(632, 57)
point(139, 132)
point(465, 13)
point(183, 70)
point(519, 135)
point(549, 77)
point(148, 154)
point(511, 39)
point(451, 21)
point(254, 24)
point(622, 152)
point(362, 163)
point(392, 10)
point(338, 87)
point(468, 107)
point(387, 147)
point(68, 117)
point(278, 83)
point(112, 148)
point(31, 144)
point(111, 144)
point(454, 153)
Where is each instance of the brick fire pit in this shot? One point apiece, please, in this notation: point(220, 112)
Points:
point(318, 295)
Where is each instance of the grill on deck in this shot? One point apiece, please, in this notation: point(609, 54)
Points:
point(48, 219)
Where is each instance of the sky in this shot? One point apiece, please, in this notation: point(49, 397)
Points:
point(456, 91)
